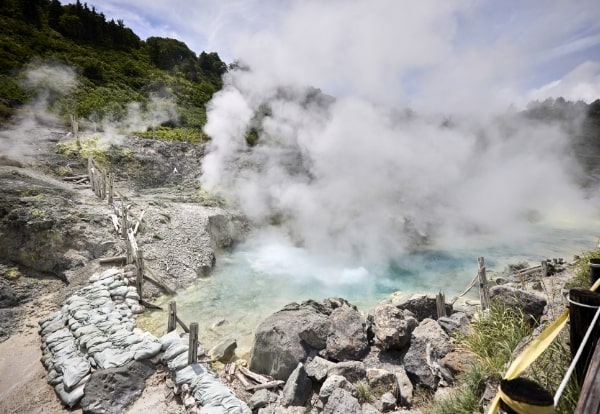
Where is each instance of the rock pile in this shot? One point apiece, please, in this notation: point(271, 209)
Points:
point(333, 361)
point(93, 338)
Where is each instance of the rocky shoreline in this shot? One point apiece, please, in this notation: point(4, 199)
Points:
point(312, 357)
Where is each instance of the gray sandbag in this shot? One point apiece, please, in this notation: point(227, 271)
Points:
point(112, 357)
point(74, 370)
point(176, 348)
point(119, 291)
point(146, 349)
point(189, 373)
point(69, 398)
point(128, 341)
point(167, 339)
point(179, 362)
point(85, 330)
point(99, 347)
point(58, 336)
point(50, 318)
point(210, 392)
point(52, 327)
point(137, 309)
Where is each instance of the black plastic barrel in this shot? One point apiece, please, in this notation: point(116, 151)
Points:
point(594, 270)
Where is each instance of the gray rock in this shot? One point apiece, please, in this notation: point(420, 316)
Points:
point(351, 370)
point(405, 387)
point(332, 383)
point(260, 399)
point(110, 391)
point(457, 322)
point(393, 326)
point(380, 380)
point(342, 402)
point(224, 351)
point(386, 403)
point(422, 305)
point(369, 409)
point(347, 336)
point(531, 304)
point(317, 368)
point(429, 343)
point(297, 389)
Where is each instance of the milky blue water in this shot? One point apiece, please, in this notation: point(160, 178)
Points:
point(251, 282)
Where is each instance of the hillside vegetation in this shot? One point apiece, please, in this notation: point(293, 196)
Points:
point(113, 67)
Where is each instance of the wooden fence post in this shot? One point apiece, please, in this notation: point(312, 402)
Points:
point(193, 346)
point(111, 184)
point(544, 268)
point(139, 264)
point(440, 301)
point(589, 398)
point(172, 322)
point(580, 319)
point(484, 294)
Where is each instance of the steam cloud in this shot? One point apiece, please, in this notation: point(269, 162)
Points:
point(359, 180)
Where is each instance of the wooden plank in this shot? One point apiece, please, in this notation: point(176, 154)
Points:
point(253, 375)
point(580, 319)
point(242, 379)
point(270, 384)
point(157, 281)
point(112, 259)
point(75, 177)
point(589, 398)
point(193, 346)
point(183, 325)
point(137, 224)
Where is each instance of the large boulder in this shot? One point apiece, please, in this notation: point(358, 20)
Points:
point(429, 343)
point(289, 336)
point(392, 326)
point(347, 337)
point(112, 390)
point(530, 303)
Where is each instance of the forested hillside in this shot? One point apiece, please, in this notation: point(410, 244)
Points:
point(113, 66)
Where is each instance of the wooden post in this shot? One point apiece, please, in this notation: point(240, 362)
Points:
point(139, 264)
point(440, 301)
point(75, 130)
point(580, 319)
point(111, 184)
point(124, 218)
point(589, 398)
point(172, 322)
point(544, 268)
point(193, 347)
point(484, 293)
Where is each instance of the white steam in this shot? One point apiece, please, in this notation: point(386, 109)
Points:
point(359, 180)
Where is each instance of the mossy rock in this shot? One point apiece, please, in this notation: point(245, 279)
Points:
point(12, 273)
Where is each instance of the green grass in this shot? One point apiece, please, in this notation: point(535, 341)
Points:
point(493, 339)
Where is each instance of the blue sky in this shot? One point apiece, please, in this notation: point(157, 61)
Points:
point(452, 52)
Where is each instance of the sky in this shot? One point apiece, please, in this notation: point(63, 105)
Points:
point(412, 53)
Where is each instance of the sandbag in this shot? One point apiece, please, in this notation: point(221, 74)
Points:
point(74, 370)
point(146, 349)
point(112, 357)
point(167, 339)
point(210, 392)
point(70, 399)
point(176, 348)
point(179, 362)
point(188, 374)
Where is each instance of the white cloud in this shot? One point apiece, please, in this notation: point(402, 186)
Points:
point(582, 83)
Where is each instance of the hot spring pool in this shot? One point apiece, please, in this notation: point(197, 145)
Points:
point(253, 281)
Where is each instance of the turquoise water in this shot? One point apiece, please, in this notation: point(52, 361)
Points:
point(253, 281)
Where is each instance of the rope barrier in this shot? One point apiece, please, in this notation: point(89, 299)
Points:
point(537, 346)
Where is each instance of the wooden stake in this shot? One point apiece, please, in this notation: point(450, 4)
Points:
point(111, 185)
point(112, 259)
point(193, 348)
point(172, 322)
point(440, 301)
point(544, 268)
point(484, 293)
point(589, 398)
point(270, 384)
point(139, 264)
